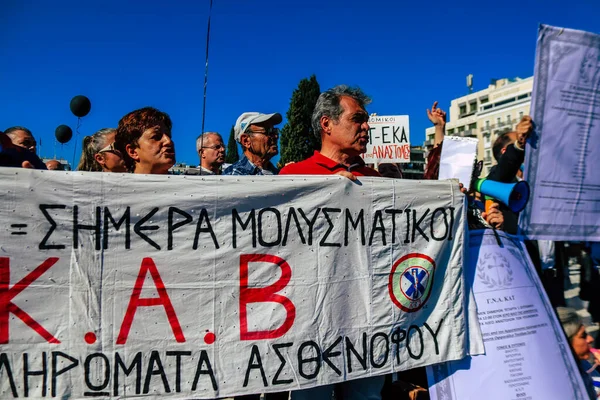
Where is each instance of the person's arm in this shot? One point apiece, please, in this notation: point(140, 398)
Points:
point(437, 116)
point(514, 155)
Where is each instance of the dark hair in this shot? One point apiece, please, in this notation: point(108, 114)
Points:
point(91, 146)
point(132, 126)
point(501, 142)
point(12, 129)
point(328, 104)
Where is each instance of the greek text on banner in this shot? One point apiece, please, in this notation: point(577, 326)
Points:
point(121, 285)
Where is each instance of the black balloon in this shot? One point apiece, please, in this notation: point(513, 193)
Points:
point(80, 106)
point(63, 133)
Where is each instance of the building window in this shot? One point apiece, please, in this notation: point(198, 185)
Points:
point(487, 124)
point(487, 138)
point(473, 107)
point(498, 120)
point(473, 126)
point(484, 100)
point(520, 115)
point(462, 109)
point(508, 119)
point(450, 131)
point(461, 129)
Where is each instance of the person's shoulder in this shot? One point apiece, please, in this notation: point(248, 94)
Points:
point(297, 168)
point(233, 169)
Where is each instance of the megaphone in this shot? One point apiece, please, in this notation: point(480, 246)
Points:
point(514, 195)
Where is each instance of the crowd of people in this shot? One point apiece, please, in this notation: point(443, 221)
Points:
point(142, 144)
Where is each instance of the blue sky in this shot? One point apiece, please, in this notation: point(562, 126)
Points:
point(125, 55)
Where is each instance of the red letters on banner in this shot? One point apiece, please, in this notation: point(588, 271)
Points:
point(264, 294)
point(162, 300)
point(7, 294)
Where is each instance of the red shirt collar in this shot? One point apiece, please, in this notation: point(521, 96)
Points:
point(330, 164)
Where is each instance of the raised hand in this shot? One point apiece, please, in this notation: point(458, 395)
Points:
point(437, 116)
point(524, 129)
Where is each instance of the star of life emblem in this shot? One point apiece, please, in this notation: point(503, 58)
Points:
point(411, 280)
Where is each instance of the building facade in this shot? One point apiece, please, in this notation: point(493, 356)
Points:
point(488, 113)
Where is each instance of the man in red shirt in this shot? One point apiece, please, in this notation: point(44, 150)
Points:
point(342, 122)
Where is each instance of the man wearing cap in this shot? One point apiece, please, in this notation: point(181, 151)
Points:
point(258, 136)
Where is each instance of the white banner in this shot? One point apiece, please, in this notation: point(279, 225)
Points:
point(527, 356)
point(120, 285)
point(389, 140)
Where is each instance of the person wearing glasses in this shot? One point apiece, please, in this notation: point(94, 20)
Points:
point(258, 136)
point(22, 137)
point(99, 153)
point(144, 139)
point(211, 151)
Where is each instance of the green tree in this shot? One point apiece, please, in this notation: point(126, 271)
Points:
point(297, 138)
point(231, 154)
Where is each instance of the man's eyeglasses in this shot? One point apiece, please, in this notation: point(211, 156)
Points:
point(271, 131)
point(110, 149)
point(215, 147)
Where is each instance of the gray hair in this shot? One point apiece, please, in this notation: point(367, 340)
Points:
point(328, 104)
point(10, 132)
point(200, 140)
point(570, 320)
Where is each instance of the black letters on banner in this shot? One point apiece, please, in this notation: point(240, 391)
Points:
point(302, 360)
point(235, 216)
point(360, 219)
point(442, 211)
point(330, 227)
point(171, 227)
point(201, 371)
point(276, 380)
point(43, 209)
point(255, 354)
point(387, 349)
point(292, 214)
point(408, 341)
point(4, 363)
point(117, 225)
point(87, 374)
point(77, 226)
point(393, 212)
point(155, 359)
point(310, 223)
point(434, 335)
point(378, 226)
point(329, 353)
point(56, 372)
point(261, 239)
point(138, 228)
point(397, 337)
point(207, 229)
point(350, 349)
point(137, 364)
point(417, 225)
point(178, 355)
point(27, 373)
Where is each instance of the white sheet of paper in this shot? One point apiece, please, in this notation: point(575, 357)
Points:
point(527, 355)
point(563, 155)
point(458, 157)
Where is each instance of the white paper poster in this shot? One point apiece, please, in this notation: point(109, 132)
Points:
point(526, 353)
point(121, 285)
point(563, 157)
point(389, 140)
point(457, 160)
